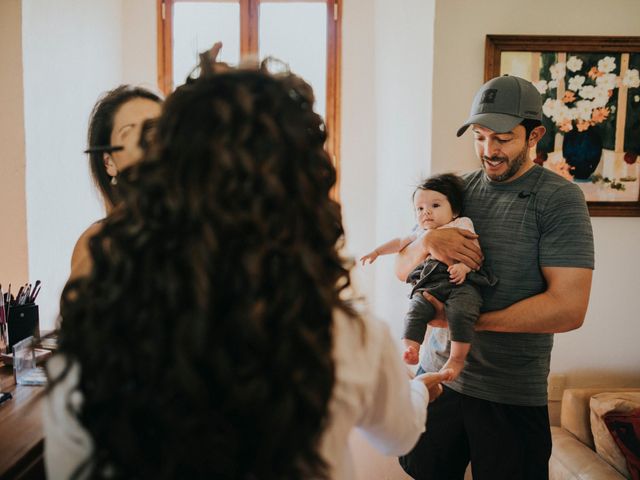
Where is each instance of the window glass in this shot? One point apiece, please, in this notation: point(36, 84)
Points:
point(196, 26)
point(296, 33)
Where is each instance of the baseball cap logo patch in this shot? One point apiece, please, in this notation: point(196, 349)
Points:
point(489, 96)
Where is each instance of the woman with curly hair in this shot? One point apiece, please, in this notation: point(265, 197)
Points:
point(215, 335)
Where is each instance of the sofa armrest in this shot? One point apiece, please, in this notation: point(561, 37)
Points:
point(571, 459)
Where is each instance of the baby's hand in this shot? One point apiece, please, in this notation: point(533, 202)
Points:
point(369, 256)
point(411, 355)
point(458, 273)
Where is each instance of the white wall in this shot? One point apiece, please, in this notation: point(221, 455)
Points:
point(605, 349)
point(139, 43)
point(358, 150)
point(72, 51)
point(386, 125)
point(403, 59)
point(386, 119)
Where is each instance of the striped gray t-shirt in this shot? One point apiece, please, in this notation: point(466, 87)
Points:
point(538, 220)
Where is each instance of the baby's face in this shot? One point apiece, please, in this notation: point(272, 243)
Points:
point(432, 209)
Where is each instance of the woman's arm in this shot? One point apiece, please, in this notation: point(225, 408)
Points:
point(396, 416)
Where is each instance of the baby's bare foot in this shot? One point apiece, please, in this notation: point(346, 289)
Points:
point(411, 356)
point(456, 365)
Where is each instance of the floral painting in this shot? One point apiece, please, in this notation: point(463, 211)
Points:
point(591, 111)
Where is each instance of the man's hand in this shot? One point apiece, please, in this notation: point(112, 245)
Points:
point(454, 245)
point(449, 245)
point(458, 273)
point(440, 318)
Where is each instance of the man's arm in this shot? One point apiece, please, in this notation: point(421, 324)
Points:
point(449, 245)
point(561, 308)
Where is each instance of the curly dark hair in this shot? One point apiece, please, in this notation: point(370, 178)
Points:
point(448, 184)
point(204, 330)
point(100, 128)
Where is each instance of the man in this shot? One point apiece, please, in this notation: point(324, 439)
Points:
point(536, 236)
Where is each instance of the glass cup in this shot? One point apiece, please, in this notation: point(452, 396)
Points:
point(24, 364)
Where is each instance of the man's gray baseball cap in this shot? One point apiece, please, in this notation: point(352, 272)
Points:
point(502, 103)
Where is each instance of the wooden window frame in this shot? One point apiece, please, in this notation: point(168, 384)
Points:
point(249, 22)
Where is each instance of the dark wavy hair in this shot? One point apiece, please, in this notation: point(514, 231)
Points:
point(204, 331)
point(448, 184)
point(99, 134)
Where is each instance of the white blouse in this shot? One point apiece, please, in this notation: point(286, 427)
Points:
point(372, 392)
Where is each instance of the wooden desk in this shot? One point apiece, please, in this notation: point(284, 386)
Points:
point(21, 435)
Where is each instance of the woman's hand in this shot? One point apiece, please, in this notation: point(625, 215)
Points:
point(433, 382)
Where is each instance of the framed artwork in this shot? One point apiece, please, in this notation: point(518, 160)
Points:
point(590, 89)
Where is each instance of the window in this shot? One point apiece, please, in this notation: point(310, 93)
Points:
point(303, 33)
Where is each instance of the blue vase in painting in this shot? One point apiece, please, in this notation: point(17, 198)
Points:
point(582, 151)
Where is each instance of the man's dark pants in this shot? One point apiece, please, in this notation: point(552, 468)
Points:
point(507, 442)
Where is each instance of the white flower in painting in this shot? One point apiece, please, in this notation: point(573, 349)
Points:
point(607, 64)
point(576, 82)
point(583, 110)
point(553, 84)
point(636, 98)
point(558, 70)
point(541, 85)
point(607, 81)
point(574, 64)
point(588, 91)
point(551, 108)
point(631, 79)
point(557, 111)
point(601, 96)
point(564, 114)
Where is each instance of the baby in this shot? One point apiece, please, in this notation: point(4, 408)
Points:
point(438, 202)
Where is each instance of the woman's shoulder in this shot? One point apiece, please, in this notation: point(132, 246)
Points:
point(81, 256)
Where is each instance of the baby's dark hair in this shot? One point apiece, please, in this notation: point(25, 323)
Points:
point(448, 184)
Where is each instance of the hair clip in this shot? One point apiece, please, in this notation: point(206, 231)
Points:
point(104, 149)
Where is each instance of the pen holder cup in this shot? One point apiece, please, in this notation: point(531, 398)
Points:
point(23, 322)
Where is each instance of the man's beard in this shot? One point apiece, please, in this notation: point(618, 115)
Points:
point(513, 166)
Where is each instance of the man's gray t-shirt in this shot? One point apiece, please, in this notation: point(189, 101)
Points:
point(538, 220)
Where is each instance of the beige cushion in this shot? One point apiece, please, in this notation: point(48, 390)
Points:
point(571, 459)
point(602, 404)
point(575, 411)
